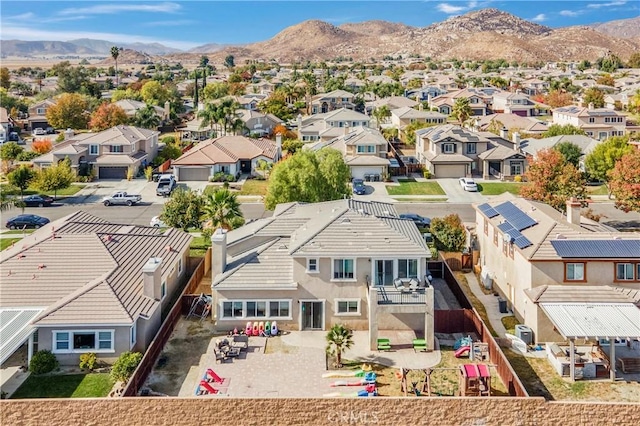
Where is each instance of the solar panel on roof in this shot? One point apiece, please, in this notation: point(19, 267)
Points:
point(516, 217)
point(488, 210)
point(597, 248)
point(518, 239)
point(522, 242)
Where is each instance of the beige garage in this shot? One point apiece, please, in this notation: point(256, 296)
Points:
point(192, 173)
point(450, 170)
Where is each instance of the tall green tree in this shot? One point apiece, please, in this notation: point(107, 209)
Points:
point(196, 98)
point(339, 339)
point(204, 64)
point(605, 156)
point(21, 178)
point(223, 209)
point(381, 114)
point(553, 180)
point(562, 129)
point(309, 176)
point(229, 61)
point(9, 152)
point(570, 151)
point(146, 118)
point(449, 233)
point(69, 112)
point(115, 52)
point(461, 110)
point(624, 180)
point(594, 96)
point(55, 178)
point(210, 115)
point(5, 78)
point(183, 210)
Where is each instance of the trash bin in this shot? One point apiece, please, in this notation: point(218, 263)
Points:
point(502, 306)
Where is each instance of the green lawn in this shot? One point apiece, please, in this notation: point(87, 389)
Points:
point(18, 232)
point(420, 200)
point(510, 323)
point(94, 385)
point(497, 188)
point(72, 190)
point(597, 190)
point(250, 187)
point(6, 242)
point(415, 188)
point(199, 246)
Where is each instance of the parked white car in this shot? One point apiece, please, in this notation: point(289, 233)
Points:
point(39, 131)
point(468, 184)
point(156, 222)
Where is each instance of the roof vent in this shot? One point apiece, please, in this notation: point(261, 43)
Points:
point(22, 256)
point(387, 240)
point(168, 248)
point(9, 273)
point(346, 220)
point(41, 266)
point(560, 237)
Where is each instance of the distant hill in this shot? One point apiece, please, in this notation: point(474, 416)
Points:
point(623, 28)
point(83, 46)
point(104, 46)
point(208, 48)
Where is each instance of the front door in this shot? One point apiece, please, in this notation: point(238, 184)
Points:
point(245, 166)
point(312, 315)
point(384, 272)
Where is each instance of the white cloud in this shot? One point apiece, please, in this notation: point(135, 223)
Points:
point(570, 12)
point(541, 17)
point(108, 9)
point(8, 32)
point(449, 9)
point(612, 3)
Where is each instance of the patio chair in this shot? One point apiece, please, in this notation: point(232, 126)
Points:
point(384, 344)
point(419, 345)
point(413, 284)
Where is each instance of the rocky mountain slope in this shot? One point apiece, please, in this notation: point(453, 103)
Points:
point(623, 28)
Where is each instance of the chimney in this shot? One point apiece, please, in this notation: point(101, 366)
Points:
point(429, 99)
point(573, 210)
point(590, 106)
point(167, 110)
point(68, 134)
point(152, 278)
point(278, 145)
point(420, 107)
point(346, 129)
point(504, 133)
point(299, 120)
point(218, 252)
point(516, 141)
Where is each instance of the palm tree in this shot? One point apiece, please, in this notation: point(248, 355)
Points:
point(339, 339)
point(210, 115)
point(462, 110)
point(237, 126)
point(380, 114)
point(223, 209)
point(228, 112)
point(147, 118)
point(115, 52)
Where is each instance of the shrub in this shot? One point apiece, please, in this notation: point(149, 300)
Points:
point(130, 173)
point(169, 140)
point(148, 173)
point(449, 233)
point(426, 173)
point(125, 365)
point(41, 146)
point(43, 362)
point(517, 178)
point(88, 361)
point(27, 156)
point(60, 137)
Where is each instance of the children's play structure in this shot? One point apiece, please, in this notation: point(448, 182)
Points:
point(212, 384)
point(367, 380)
point(355, 373)
point(200, 307)
point(477, 351)
point(475, 380)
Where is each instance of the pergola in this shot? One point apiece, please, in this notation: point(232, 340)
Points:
point(594, 321)
point(15, 329)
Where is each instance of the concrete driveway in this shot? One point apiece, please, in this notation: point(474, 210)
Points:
point(456, 194)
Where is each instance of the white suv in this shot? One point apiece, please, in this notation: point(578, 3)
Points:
point(39, 131)
point(468, 184)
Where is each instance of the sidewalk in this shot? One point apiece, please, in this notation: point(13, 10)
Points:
point(490, 303)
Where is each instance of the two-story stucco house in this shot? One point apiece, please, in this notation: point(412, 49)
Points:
point(598, 123)
point(402, 117)
point(528, 249)
point(365, 151)
point(513, 103)
point(450, 151)
point(336, 99)
point(81, 284)
point(327, 126)
point(310, 266)
point(479, 100)
point(111, 152)
point(37, 114)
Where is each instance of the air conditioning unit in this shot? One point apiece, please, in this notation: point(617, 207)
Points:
point(524, 333)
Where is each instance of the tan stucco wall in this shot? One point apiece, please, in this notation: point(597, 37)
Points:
point(327, 411)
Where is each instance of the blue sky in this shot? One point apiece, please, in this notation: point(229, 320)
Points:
point(186, 24)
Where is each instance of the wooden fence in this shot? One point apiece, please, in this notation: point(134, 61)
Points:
point(467, 320)
point(162, 336)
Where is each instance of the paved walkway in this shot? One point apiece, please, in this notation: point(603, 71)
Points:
point(490, 303)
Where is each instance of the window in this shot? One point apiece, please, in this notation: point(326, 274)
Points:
point(232, 309)
point(116, 148)
point(495, 237)
point(448, 148)
point(279, 308)
point(257, 309)
point(133, 335)
point(312, 265)
point(366, 149)
point(163, 290)
point(505, 245)
point(343, 269)
point(471, 148)
point(511, 249)
point(93, 150)
point(624, 271)
point(180, 266)
point(516, 169)
point(486, 227)
point(407, 268)
point(40, 111)
point(348, 307)
point(86, 341)
point(592, 120)
point(574, 272)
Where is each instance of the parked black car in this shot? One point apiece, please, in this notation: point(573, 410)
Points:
point(38, 201)
point(27, 221)
point(420, 221)
point(358, 187)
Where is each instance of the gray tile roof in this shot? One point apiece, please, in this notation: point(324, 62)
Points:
point(578, 294)
point(98, 279)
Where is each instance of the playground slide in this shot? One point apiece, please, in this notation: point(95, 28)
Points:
point(338, 374)
point(369, 379)
point(462, 351)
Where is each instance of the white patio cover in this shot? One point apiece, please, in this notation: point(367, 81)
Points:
point(15, 328)
point(594, 320)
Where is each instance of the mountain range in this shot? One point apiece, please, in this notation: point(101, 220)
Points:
point(483, 34)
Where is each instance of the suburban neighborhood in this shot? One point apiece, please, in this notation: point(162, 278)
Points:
point(185, 226)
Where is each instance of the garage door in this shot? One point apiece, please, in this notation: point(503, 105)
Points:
point(450, 170)
point(112, 173)
point(358, 172)
point(193, 173)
